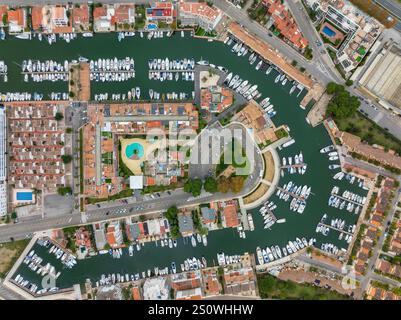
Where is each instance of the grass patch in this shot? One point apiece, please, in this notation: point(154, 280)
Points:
point(271, 287)
point(369, 131)
point(233, 152)
point(122, 194)
point(9, 253)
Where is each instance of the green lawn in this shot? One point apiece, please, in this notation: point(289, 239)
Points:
point(273, 288)
point(369, 131)
point(232, 153)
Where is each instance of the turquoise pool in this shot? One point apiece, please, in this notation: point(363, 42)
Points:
point(134, 151)
point(326, 30)
point(24, 196)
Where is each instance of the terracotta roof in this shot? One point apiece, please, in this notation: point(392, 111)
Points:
point(37, 17)
point(80, 15)
point(16, 16)
point(230, 216)
point(99, 12)
point(200, 9)
point(136, 295)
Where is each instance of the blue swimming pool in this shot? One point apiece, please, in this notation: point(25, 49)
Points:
point(24, 196)
point(134, 151)
point(151, 26)
point(328, 32)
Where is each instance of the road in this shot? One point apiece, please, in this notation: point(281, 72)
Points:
point(252, 26)
point(393, 7)
point(119, 209)
point(320, 56)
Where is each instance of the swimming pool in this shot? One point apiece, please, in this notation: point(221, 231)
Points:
point(151, 26)
point(24, 196)
point(134, 151)
point(328, 32)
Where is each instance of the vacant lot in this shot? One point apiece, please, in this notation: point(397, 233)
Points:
point(269, 166)
point(369, 131)
point(9, 253)
point(271, 287)
point(258, 193)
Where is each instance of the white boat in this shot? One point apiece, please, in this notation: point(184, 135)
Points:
point(204, 240)
point(87, 34)
point(193, 241)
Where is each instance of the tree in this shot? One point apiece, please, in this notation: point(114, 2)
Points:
point(59, 116)
point(13, 215)
point(62, 191)
point(210, 184)
point(237, 183)
point(193, 186)
point(349, 82)
point(67, 158)
point(223, 184)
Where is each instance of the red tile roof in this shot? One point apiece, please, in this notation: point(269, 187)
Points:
point(37, 17)
point(285, 23)
point(17, 16)
point(230, 216)
point(80, 15)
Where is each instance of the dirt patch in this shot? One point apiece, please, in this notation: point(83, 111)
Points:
point(9, 253)
point(258, 193)
point(269, 166)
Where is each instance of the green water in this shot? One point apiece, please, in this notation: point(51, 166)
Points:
point(309, 140)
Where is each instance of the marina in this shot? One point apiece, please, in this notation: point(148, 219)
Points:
point(304, 137)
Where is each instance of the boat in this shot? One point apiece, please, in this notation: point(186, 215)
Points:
point(204, 240)
point(327, 149)
point(259, 65)
point(193, 241)
point(334, 166)
point(87, 34)
point(259, 256)
point(199, 238)
point(203, 62)
point(24, 36)
point(281, 220)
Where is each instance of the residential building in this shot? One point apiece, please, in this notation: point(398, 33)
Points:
point(3, 160)
point(239, 281)
point(209, 215)
point(100, 235)
point(110, 292)
point(103, 18)
point(285, 23)
point(359, 30)
point(156, 289)
point(59, 17)
point(3, 11)
point(146, 230)
point(36, 145)
point(199, 14)
point(37, 18)
point(136, 293)
point(215, 99)
point(80, 18)
point(211, 284)
point(111, 122)
point(124, 16)
point(17, 21)
point(161, 12)
point(114, 234)
point(186, 224)
point(230, 214)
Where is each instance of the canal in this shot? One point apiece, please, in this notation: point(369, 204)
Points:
point(308, 140)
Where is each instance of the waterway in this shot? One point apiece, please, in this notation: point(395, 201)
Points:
point(308, 140)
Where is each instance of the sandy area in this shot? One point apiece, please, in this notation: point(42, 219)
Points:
point(258, 193)
point(207, 80)
point(269, 169)
point(9, 252)
point(135, 165)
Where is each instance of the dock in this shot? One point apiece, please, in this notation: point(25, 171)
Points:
point(292, 194)
point(334, 228)
point(298, 165)
point(342, 198)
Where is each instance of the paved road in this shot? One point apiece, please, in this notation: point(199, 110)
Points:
point(252, 26)
point(393, 7)
point(320, 56)
point(8, 294)
point(379, 244)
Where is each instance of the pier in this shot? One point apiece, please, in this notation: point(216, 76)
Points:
point(298, 165)
point(342, 198)
point(334, 228)
point(292, 194)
